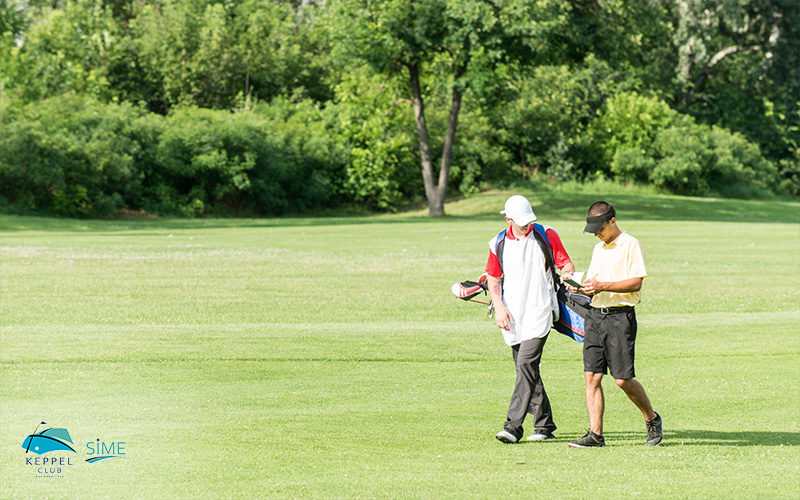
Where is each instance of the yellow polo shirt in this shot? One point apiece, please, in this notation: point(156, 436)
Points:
point(619, 260)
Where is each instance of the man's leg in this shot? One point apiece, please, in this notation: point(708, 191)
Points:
point(595, 401)
point(540, 403)
point(527, 356)
point(594, 366)
point(636, 393)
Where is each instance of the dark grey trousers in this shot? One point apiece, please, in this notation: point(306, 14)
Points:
point(529, 394)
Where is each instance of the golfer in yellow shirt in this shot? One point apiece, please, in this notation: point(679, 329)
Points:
point(615, 280)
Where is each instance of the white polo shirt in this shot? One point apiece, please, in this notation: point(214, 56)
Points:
point(528, 291)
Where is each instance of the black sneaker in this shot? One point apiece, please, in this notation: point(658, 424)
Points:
point(655, 430)
point(590, 440)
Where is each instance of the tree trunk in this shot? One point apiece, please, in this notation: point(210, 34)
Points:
point(447, 153)
point(422, 132)
point(435, 194)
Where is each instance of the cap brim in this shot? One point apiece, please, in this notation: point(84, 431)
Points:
point(593, 227)
point(525, 220)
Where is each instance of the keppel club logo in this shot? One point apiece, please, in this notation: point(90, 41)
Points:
point(52, 439)
point(57, 439)
point(49, 440)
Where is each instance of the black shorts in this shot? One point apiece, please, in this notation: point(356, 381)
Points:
point(610, 343)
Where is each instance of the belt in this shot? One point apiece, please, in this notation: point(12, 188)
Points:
point(614, 310)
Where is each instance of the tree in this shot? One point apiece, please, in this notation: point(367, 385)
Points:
point(437, 44)
point(739, 66)
point(80, 48)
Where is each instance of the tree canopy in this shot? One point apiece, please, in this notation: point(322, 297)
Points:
point(264, 106)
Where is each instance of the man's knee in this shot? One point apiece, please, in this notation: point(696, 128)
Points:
point(629, 385)
point(593, 379)
point(529, 369)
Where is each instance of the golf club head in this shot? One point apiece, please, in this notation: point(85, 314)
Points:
point(466, 290)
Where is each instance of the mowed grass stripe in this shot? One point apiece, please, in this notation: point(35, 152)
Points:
point(391, 341)
point(328, 359)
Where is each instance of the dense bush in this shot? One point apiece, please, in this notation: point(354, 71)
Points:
point(377, 133)
point(536, 127)
point(74, 156)
point(645, 140)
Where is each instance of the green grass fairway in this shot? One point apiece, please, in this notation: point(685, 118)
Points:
point(327, 358)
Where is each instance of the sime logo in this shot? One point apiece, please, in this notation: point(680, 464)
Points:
point(101, 450)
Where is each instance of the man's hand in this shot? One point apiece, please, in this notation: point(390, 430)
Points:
point(591, 287)
point(503, 318)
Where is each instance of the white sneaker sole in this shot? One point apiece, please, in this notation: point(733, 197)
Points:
point(539, 437)
point(506, 437)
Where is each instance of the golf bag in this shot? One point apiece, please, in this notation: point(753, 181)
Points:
point(573, 307)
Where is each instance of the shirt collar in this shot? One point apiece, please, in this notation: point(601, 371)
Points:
point(510, 233)
point(616, 241)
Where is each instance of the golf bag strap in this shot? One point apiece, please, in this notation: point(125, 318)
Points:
point(549, 259)
point(539, 232)
point(498, 250)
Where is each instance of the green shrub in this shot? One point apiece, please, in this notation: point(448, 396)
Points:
point(479, 159)
point(682, 159)
point(646, 141)
point(70, 155)
point(378, 141)
point(790, 174)
point(305, 137)
point(276, 159)
point(74, 156)
point(631, 120)
point(540, 122)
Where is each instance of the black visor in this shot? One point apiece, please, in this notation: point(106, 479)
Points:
point(595, 222)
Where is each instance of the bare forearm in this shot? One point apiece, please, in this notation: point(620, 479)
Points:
point(624, 286)
point(502, 317)
point(495, 290)
point(591, 287)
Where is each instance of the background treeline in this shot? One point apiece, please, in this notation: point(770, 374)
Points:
point(263, 107)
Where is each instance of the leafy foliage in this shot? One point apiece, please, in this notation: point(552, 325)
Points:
point(648, 141)
point(75, 156)
point(72, 155)
point(267, 107)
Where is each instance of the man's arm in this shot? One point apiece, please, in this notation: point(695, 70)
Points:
point(563, 262)
point(501, 315)
point(592, 286)
point(567, 270)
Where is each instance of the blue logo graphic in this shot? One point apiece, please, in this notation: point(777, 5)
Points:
point(102, 450)
point(52, 439)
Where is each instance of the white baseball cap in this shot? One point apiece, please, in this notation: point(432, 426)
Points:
point(518, 209)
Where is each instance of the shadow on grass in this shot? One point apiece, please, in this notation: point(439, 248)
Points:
point(682, 437)
point(566, 206)
point(15, 223)
point(550, 205)
point(730, 438)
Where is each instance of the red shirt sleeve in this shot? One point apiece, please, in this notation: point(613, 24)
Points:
point(493, 266)
point(559, 252)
